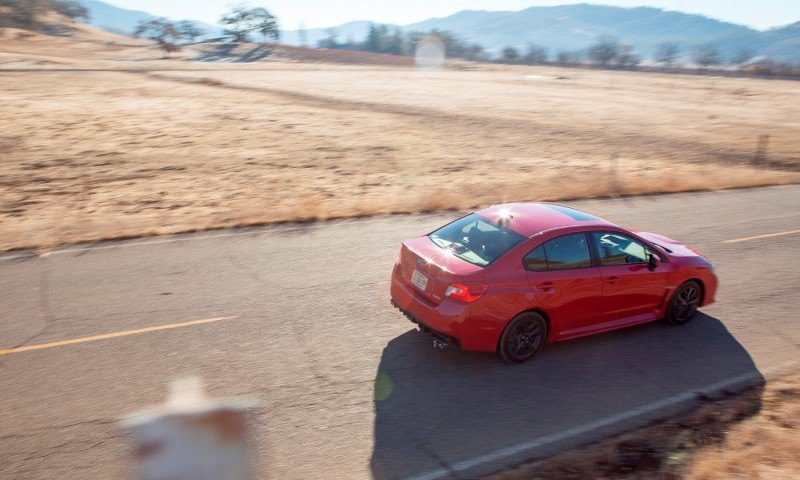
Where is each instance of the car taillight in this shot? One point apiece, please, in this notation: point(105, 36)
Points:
point(466, 293)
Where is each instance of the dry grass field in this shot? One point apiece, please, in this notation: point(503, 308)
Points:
point(104, 139)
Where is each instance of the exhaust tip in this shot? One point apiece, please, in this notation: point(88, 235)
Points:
point(439, 344)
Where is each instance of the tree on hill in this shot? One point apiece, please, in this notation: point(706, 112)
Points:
point(666, 53)
point(475, 53)
point(189, 30)
point(565, 57)
point(510, 55)
point(385, 39)
point(742, 56)
point(605, 49)
point(23, 13)
point(162, 31)
point(375, 37)
point(267, 24)
point(394, 43)
point(331, 40)
point(72, 10)
point(381, 40)
point(626, 58)
point(706, 55)
point(241, 21)
point(536, 55)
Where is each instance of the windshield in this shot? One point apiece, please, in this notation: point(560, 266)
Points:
point(476, 240)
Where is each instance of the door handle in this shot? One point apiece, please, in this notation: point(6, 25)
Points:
point(613, 280)
point(546, 286)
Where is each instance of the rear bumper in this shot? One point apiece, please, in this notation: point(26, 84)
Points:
point(449, 339)
point(450, 321)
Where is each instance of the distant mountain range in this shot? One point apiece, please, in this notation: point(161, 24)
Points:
point(566, 27)
point(575, 27)
point(123, 21)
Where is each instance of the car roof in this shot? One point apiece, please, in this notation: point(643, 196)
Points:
point(529, 219)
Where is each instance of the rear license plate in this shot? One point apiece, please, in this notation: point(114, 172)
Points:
point(420, 280)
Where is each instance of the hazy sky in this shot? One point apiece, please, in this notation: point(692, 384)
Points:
point(321, 13)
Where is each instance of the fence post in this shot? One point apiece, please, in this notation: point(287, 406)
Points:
point(191, 437)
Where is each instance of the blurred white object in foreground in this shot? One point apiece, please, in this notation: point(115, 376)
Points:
point(191, 437)
point(430, 52)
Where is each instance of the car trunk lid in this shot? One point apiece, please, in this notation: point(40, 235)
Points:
point(436, 269)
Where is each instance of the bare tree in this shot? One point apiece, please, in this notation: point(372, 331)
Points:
point(510, 55)
point(626, 58)
point(72, 10)
point(604, 50)
point(189, 30)
point(267, 24)
point(475, 53)
point(742, 56)
point(666, 53)
point(162, 31)
point(536, 55)
point(706, 55)
point(565, 57)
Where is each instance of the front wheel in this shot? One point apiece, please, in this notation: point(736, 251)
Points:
point(523, 338)
point(684, 303)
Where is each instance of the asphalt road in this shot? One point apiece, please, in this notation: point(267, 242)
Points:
point(313, 328)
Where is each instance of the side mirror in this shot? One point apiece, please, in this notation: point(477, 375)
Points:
point(652, 262)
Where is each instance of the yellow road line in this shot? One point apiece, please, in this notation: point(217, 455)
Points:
point(766, 235)
point(112, 335)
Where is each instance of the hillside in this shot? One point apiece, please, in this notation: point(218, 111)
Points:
point(574, 27)
point(782, 40)
point(124, 21)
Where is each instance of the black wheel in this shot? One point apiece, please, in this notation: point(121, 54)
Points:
point(523, 338)
point(684, 303)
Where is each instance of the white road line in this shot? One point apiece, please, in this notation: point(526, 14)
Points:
point(187, 237)
point(499, 455)
point(153, 242)
point(14, 257)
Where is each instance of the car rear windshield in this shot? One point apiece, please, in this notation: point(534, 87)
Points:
point(476, 239)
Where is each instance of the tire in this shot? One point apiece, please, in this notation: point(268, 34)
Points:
point(683, 304)
point(523, 338)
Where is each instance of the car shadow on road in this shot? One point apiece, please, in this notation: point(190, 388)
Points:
point(450, 413)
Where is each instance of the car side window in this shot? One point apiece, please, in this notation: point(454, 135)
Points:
point(536, 260)
point(561, 253)
point(618, 249)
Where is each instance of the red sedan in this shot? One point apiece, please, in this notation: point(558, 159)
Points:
point(511, 278)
